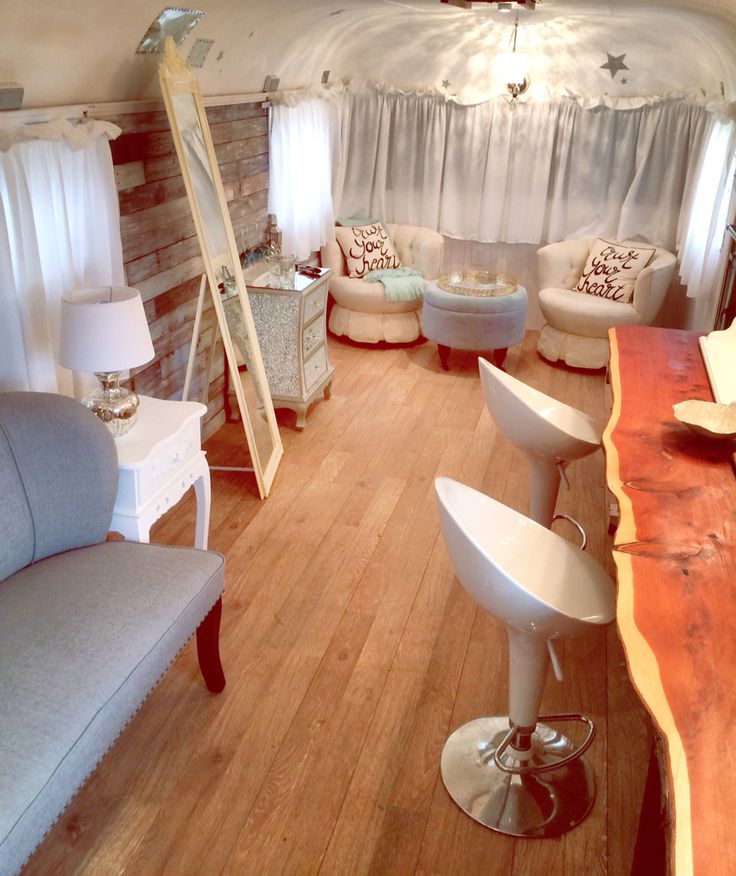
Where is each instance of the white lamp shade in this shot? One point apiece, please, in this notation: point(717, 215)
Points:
point(104, 329)
point(511, 67)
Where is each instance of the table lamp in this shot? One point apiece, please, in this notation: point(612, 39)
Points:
point(104, 330)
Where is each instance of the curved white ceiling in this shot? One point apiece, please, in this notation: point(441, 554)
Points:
point(85, 52)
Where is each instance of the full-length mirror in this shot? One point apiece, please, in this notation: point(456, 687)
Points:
point(219, 252)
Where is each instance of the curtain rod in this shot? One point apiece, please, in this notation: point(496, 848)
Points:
point(122, 107)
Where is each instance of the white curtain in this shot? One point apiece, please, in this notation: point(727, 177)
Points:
point(524, 172)
point(704, 217)
point(537, 170)
point(59, 230)
point(301, 174)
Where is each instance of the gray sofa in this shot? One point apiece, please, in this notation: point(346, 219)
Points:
point(87, 625)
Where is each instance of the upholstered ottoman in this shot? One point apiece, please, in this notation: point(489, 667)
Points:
point(470, 322)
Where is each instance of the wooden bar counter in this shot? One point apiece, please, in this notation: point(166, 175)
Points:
point(675, 553)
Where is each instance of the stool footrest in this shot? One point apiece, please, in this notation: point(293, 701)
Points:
point(555, 765)
point(574, 522)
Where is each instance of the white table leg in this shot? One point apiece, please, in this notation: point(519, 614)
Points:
point(203, 494)
point(132, 528)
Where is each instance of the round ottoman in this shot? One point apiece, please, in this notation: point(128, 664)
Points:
point(469, 322)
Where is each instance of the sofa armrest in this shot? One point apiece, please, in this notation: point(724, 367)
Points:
point(560, 264)
point(429, 245)
point(652, 284)
point(331, 257)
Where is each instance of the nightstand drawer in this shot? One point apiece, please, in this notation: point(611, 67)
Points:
point(312, 336)
point(314, 303)
point(137, 486)
point(315, 367)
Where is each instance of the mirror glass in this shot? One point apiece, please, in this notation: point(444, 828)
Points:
point(219, 252)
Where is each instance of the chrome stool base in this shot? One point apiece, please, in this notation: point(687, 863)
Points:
point(526, 804)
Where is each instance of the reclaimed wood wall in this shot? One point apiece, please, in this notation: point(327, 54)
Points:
point(160, 248)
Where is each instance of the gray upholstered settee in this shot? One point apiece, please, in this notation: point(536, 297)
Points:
point(87, 625)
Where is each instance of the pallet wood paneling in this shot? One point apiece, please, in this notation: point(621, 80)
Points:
point(160, 247)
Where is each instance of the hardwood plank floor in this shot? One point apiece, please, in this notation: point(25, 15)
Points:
point(351, 653)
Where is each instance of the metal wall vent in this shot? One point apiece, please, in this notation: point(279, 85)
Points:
point(198, 52)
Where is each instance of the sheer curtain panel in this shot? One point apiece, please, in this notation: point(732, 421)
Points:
point(300, 176)
point(523, 172)
point(59, 230)
point(705, 214)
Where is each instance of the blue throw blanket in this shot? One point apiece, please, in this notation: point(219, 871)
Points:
point(399, 284)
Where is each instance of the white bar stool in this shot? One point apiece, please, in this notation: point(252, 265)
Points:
point(550, 433)
point(515, 774)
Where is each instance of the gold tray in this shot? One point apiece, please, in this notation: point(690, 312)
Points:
point(480, 284)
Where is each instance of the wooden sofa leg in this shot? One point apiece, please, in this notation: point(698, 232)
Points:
point(443, 352)
point(208, 649)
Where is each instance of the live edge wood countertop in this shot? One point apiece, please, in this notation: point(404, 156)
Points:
point(675, 553)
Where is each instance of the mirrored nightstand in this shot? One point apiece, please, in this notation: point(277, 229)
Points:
point(291, 329)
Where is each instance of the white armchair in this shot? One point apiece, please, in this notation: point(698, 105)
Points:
point(577, 324)
point(361, 311)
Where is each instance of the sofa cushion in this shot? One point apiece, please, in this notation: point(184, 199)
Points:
point(366, 248)
point(358, 294)
point(84, 635)
point(612, 268)
point(561, 309)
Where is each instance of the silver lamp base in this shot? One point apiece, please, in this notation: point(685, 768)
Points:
point(115, 405)
point(527, 804)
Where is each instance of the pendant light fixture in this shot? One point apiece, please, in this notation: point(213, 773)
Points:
point(511, 67)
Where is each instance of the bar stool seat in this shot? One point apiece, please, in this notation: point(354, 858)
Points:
point(550, 432)
point(515, 774)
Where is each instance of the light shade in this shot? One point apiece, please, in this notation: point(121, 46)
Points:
point(511, 67)
point(104, 329)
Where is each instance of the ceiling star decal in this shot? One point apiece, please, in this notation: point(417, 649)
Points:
point(614, 64)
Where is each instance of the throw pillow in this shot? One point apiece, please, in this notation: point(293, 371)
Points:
point(612, 268)
point(366, 248)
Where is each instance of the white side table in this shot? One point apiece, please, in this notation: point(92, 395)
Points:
point(159, 459)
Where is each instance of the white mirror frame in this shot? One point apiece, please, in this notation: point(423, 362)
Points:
point(177, 79)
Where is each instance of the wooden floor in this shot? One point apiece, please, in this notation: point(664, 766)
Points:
point(351, 653)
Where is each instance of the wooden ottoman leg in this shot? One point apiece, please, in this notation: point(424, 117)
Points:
point(444, 354)
point(499, 356)
point(208, 649)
